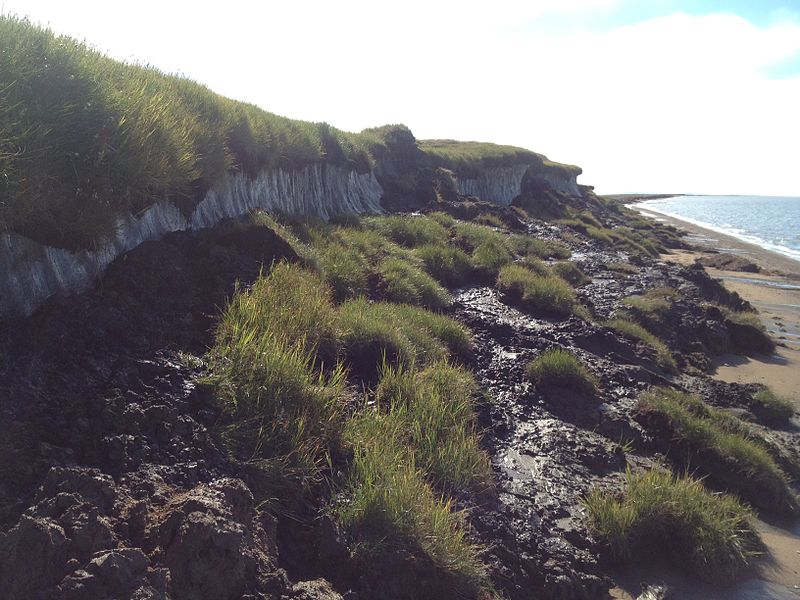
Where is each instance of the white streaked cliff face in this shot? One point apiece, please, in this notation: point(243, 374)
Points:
point(503, 184)
point(30, 272)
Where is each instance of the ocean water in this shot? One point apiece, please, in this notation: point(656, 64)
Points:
point(772, 222)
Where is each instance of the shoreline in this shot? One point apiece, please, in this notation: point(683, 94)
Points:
point(775, 293)
point(772, 263)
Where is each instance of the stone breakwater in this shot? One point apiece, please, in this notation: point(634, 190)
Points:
point(30, 272)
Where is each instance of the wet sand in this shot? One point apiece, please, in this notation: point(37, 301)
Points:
point(775, 292)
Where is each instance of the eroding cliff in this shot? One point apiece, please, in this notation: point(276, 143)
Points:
point(32, 272)
point(503, 184)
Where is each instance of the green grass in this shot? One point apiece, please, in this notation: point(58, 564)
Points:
point(413, 449)
point(391, 508)
point(747, 331)
point(773, 407)
point(450, 266)
point(437, 406)
point(280, 409)
point(86, 138)
point(561, 368)
point(719, 446)
point(634, 331)
point(546, 295)
point(409, 230)
point(491, 256)
point(571, 273)
point(531, 245)
point(653, 303)
point(344, 268)
point(710, 535)
point(403, 282)
point(400, 334)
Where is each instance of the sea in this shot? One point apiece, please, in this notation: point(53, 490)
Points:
point(772, 222)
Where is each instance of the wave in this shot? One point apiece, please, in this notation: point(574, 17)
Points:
point(731, 231)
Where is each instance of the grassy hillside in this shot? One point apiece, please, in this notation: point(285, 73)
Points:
point(84, 137)
point(470, 158)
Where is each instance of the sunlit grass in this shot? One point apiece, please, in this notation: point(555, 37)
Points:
point(660, 514)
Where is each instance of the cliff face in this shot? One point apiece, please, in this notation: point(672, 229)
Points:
point(503, 184)
point(32, 272)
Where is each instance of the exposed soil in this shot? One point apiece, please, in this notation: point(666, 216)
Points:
point(112, 485)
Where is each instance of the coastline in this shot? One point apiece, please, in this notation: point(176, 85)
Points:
point(774, 292)
point(771, 262)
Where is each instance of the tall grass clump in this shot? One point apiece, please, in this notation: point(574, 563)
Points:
point(280, 406)
point(450, 266)
point(414, 449)
point(344, 268)
point(710, 535)
point(489, 249)
point(399, 334)
point(404, 282)
point(409, 230)
point(539, 294)
point(637, 333)
point(437, 406)
point(773, 407)
point(718, 445)
point(653, 303)
point(531, 245)
point(747, 331)
point(392, 510)
point(560, 368)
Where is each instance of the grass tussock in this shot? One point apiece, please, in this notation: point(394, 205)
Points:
point(773, 407)
point(450, 266)
point(539, 294)
point(409, 230)
point(413, 450)
point(635, 332)
point(720, 446)
point(747, 331)
point(399, 334)
point(280, 407)
point(561, 368)
point(653, 303)
point(710, 535)
point(534, 246)
point(403, 282)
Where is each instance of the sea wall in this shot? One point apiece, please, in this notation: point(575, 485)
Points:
point(30, 272)
point(503, 184)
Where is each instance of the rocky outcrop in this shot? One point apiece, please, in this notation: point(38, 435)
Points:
point(30, 272)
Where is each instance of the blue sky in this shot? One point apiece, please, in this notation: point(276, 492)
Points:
point(656, 95)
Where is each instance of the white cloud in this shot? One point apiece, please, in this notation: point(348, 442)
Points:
point(678, 103)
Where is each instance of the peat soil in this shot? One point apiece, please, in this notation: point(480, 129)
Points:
point(111, 485)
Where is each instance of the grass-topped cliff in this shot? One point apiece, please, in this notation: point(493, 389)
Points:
point(85, 139)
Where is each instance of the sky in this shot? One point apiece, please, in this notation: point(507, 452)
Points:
point(691, 96)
